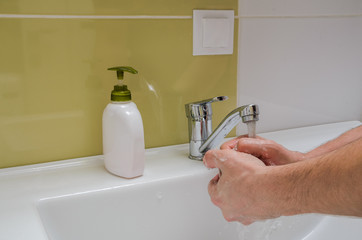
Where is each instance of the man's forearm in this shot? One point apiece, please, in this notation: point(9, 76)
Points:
point(329, 184)
point(342, 140)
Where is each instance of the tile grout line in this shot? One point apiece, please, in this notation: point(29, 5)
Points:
point(302, 16)
point(41, 16)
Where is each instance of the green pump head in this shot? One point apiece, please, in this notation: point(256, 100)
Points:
point(120, 91)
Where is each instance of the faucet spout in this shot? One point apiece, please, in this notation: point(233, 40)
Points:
point(246, 113)
point(201, 136)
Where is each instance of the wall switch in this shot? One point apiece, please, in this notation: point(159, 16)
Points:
point(213, 32)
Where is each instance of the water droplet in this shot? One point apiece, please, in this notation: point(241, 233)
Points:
point(159, 196)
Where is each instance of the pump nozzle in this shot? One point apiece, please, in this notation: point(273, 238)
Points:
point(121, 70)
point(121, 92)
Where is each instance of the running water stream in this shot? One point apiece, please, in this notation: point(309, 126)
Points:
point(251, 129)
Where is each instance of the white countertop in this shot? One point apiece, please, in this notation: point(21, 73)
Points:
point(22, 187)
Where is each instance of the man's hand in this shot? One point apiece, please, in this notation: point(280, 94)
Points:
point(246, 190)
point(270, 152)
point(243, 190)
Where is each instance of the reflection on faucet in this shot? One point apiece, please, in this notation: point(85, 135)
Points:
point(199, 116)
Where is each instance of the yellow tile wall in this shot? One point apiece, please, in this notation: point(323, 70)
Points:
point(54, 84)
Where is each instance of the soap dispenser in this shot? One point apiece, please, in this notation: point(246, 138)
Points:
point(123, 137)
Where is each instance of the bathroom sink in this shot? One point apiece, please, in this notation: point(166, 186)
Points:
point(77, 199)
point(171, 208)
point(171, 200)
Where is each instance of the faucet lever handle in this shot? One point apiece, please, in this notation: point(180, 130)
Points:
point(215, 99)
point(201, 109)
point(210, 100)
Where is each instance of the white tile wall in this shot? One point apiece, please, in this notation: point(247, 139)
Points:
point(300, 70)
point(299, 7)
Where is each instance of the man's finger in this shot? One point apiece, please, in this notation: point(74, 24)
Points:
point(214, 159)
point(213, 191)
point(255, 147)
point(231, 144)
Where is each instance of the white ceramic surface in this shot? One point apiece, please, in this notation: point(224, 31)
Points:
point(176, 208)
point(79, 199)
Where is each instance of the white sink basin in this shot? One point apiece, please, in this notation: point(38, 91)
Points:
point(78, 199)
point(173, 208)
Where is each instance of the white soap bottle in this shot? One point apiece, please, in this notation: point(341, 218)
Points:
point(123, 137)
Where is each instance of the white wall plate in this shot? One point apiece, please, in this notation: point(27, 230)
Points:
point(213, 32)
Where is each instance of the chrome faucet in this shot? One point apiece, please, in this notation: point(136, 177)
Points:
point(201, 136)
